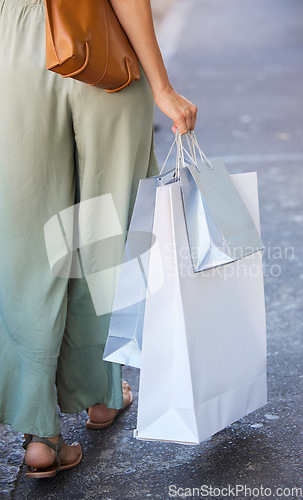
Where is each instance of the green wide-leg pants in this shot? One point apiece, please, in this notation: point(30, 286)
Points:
point(61, 142)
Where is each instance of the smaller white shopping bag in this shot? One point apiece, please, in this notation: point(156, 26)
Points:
point(204, 345)
point(220, 229)
point(124, 341)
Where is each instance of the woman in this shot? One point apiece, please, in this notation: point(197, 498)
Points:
point(63, 142)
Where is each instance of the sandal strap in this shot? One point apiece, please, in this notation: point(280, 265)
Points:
point(55, 446)
point(27, 441)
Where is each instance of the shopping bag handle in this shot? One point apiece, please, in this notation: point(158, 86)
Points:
point(193, 144)
point(180, 161)
point(169, 153)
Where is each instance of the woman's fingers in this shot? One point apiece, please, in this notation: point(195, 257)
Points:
point(179, 109)
point(187, 121)
point(183, 122)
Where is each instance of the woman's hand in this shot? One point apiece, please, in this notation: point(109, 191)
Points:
point(177, 108)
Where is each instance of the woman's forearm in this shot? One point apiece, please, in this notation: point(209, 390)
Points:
point(136, 18)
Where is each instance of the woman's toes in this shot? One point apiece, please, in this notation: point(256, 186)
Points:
point(69, 454)
point(127, 395)
point(125, 386)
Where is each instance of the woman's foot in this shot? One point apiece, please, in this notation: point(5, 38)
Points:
point(100, 416)
point(40, 456)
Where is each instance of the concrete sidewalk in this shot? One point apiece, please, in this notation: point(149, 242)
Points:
point(241, 62)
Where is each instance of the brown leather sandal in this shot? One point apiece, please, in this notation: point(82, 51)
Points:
point(102, 425)
point(56, 466)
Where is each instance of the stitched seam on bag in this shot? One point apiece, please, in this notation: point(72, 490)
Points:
point(62, 61)
point(107, 50)
point(49, 21)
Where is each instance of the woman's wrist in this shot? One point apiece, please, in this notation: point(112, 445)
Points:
point(161, 88)
point(163, 93)
point(157, 75)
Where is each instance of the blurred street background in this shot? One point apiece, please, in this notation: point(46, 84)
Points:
point(241, 63)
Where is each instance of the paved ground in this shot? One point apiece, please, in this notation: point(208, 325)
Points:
point(242, 63)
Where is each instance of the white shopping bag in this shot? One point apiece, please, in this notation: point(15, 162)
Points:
point(220, 229)
point(124, 341)
point(204, 345)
